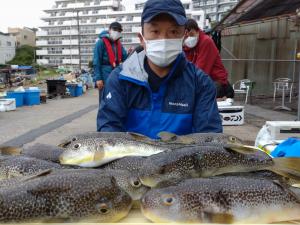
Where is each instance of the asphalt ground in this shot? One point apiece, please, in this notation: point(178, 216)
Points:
point(59, 118)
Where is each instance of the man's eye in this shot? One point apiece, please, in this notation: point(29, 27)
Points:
point(154, 31)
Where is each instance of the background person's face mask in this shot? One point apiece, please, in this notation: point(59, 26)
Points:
point(191, 42)
point(114, 35)
point(163, 52)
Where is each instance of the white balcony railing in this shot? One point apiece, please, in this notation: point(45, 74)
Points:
point(71, 61)
point(41, 33)
point(69, 32)
point(42, 61)
point(70, 52)
point(41, 52)
point(41, 43)
point(70, 42)
point(136, 29)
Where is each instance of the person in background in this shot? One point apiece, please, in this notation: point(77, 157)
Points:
point(201, 50)
point(108, 54)
point(158, 89)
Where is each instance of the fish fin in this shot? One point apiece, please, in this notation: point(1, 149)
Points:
point(287, 167)
point(99, 155)
point(7, 150)
point(137, 136)
point(223, 218)
point(242, 149)
point(167, 136)
point(40, 174)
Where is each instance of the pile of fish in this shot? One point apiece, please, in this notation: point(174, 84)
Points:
point(100, 177)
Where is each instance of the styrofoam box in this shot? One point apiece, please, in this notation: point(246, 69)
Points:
point(8, 104)
point(280, 130)
point(232, 115)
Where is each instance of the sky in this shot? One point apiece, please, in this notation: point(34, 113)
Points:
point(25, 13)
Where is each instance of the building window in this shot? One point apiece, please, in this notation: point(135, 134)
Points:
point(8, 43)
point(87, 4)
point(86, 12)
point(97, 2)
point(94, 20)
point(64, 5)
point(25, 37)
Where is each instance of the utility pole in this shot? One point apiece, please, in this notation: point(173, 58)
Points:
point(79, 45)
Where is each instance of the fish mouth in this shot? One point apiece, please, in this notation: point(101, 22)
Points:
point(85, 159)
point(64, 144)
point(148, 181)
point(152, 216)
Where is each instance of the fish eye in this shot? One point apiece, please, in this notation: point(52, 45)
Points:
point(103, 208)
point(232, 139)
point(168, 200)
point(136, 183)
point(76, 146)
point(74, 139)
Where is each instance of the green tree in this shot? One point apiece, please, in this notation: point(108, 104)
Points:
point(25, 55)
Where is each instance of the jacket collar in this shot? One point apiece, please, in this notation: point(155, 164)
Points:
point(133, 68)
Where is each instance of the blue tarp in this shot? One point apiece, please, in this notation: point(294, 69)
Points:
point(288, 148)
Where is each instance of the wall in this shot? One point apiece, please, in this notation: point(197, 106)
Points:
point(7, 51)
point(23, 36)
point(273, 39)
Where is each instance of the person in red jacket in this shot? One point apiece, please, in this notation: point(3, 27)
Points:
point(201, 50)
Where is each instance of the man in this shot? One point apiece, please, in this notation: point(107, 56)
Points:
point(108, 53)
point(201, 50)
point(158, 89)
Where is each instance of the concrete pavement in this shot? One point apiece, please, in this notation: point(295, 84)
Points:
point(50, 123)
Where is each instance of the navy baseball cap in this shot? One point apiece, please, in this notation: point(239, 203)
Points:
point(172, 7)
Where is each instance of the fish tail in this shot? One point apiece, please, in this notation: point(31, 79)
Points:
point(8, 150)
point(287, 167)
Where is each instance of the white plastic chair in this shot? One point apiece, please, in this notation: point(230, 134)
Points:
point(282, 85)
point(243, 87)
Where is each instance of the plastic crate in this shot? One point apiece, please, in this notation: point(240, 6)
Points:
point(32, 97)
point(18, 96)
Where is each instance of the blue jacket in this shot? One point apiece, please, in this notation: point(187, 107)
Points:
point(185, 102)
point(102, 67)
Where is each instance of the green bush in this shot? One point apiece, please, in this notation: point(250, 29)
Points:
point(24, 56)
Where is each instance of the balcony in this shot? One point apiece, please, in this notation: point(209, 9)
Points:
point(41, 52)
point(41, 33)
point(136, 29)
point(70, 61)
point(42, 61)
point(69, 32)
point(41, 43)
point(70, 52)
point(70, 42)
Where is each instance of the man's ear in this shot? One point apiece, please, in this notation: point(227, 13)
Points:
point(186, 34)
point(142, 41)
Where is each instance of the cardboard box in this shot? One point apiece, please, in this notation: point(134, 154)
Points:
point(232, 115)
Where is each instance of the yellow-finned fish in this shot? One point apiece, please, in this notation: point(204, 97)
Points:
point(223, 200)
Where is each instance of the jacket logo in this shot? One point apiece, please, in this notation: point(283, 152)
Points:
point(109, 96)
point(179, 104)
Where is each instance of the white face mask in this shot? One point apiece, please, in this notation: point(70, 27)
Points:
point(191, 42)
point(114, 35)
point(163, 52)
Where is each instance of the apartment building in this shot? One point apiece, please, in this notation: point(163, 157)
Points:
point(71, 28)
point(7, 48)
point(214, 9)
